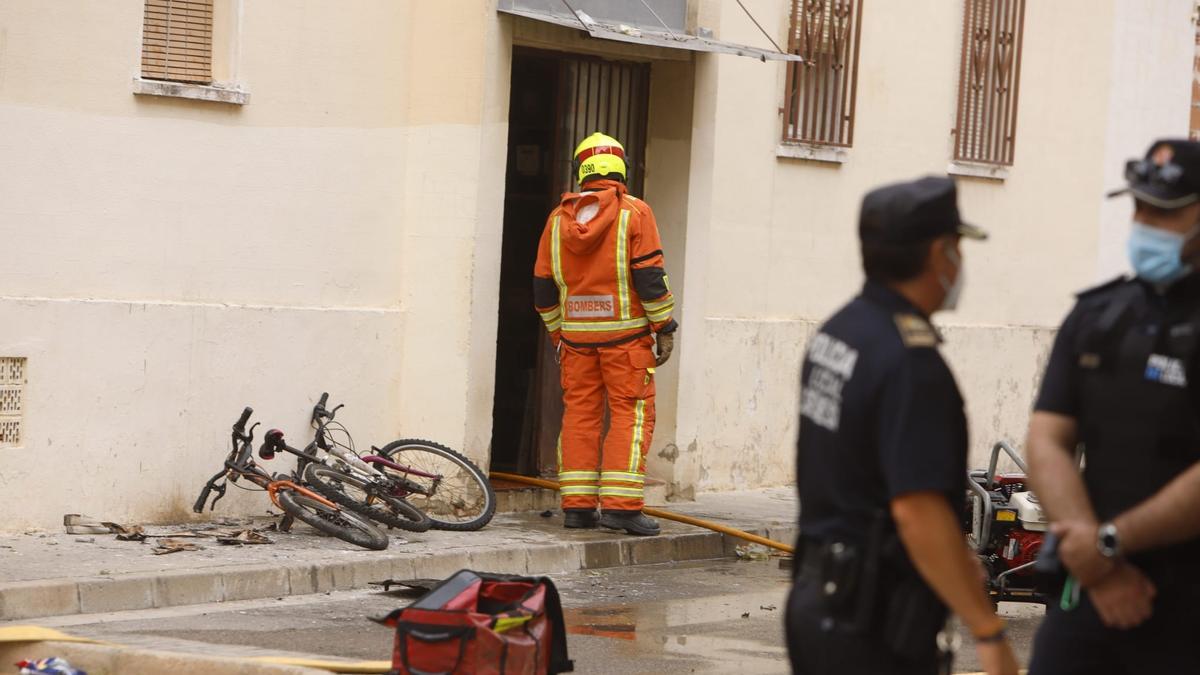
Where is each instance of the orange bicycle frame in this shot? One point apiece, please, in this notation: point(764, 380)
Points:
point(275, 486)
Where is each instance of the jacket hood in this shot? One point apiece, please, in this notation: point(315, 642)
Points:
point(587, 215)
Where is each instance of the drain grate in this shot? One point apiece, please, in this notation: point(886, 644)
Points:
point(12, 393)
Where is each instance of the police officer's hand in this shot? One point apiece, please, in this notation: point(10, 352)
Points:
point(997, 658)
point(1077, 548)
point(1124, 598)
point(666, 344)
point(977, 565)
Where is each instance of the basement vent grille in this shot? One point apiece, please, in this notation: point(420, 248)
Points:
point(12, 390)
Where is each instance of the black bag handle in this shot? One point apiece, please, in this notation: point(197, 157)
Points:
point(432, 633)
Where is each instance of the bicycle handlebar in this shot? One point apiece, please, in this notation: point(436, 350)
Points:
point(240, 425)
point(198, 507)
point(247, 446)
point(321, 415)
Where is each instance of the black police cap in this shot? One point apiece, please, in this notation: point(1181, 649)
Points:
point(913, 211)
point(1167, 177)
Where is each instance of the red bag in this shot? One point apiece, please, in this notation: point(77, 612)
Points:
point(482, 624)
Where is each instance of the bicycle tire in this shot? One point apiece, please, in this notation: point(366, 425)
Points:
point(349, 527)
point(409, 448)
point(392, 511)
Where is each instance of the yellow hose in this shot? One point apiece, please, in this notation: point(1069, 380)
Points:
point(659, 513)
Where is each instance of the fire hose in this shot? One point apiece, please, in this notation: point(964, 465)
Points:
point(659, 513)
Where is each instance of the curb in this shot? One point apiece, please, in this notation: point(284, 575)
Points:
point(104, 658)
point(92, 595)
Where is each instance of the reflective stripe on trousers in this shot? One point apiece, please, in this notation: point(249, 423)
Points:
point(614, 469)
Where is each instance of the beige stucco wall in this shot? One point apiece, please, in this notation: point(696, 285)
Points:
point(775, 238)
point(167, 262)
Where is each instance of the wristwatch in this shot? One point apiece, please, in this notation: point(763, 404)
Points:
point(1107, 540)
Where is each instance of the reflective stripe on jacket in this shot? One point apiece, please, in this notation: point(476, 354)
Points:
point(599, 277)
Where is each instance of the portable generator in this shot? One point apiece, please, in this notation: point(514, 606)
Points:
point(1005, 526)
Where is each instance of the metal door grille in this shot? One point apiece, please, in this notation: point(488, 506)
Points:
point(822, 89)
point(989, 81)
point(612, 97)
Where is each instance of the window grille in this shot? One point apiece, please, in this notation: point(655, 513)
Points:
point(989, 81)
point(820, 96)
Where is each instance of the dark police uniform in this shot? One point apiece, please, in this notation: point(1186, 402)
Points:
point(1121, 366)
point(880, 416)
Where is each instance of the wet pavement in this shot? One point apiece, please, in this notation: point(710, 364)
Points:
point(710, 617)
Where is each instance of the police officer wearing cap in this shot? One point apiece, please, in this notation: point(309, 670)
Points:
point(1122, 385)
point(881, 459)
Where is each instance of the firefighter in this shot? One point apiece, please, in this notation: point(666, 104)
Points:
point(881, 460)
point(1121, 383)
point(600, 286)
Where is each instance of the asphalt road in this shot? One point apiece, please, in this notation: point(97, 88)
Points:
point(715, 617)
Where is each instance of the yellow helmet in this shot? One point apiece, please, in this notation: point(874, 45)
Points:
point(599, 156)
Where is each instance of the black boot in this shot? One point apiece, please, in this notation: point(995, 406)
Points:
point(633, 522)
point(579, 518)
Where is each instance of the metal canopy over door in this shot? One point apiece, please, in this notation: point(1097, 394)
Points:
point(654, 23)
point(584, 95)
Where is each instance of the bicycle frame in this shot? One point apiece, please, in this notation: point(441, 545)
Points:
point(376, 459)
point(275, 486)
point(367, 464)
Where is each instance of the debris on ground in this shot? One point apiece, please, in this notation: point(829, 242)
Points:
point(745, 615)
point(165, 546)
point(50, 666)
point(130, 533)
point(80, 524)
point(547, 514)
point(785, 562)
point(753, 552)
point(769, 608)
point(410, 586)
point(86, 540)
point(243, 537)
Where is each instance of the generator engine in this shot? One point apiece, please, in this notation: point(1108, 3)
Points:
point(1006, 526)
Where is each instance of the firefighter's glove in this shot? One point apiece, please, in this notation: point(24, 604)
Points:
point(666, 343)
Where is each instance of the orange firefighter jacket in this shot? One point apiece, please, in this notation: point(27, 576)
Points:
point(599, 277)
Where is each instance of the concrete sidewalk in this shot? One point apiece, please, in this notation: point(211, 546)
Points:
point(53, 574)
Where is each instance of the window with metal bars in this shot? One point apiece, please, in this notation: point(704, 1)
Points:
point(1194, 126)
point(177, 40)
point(989, 81)
point(819, 99)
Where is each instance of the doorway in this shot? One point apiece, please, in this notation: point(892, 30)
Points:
point(557, 99)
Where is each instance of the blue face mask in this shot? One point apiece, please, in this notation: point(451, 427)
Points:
point(1156, 254)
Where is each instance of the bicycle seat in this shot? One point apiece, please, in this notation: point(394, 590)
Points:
point(272, 441)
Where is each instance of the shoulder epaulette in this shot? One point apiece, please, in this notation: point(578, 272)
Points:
point(1106, 286)
point(915, 331)
point(634, 202)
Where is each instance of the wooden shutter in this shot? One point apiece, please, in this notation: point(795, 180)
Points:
point(177, 40)
point(821, 91)
point(989, 81)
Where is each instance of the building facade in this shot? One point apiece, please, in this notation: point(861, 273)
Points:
point(208, 204)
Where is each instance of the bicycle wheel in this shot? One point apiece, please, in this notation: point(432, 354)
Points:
point(347, 526)
point(460, 498)
point(363, 498)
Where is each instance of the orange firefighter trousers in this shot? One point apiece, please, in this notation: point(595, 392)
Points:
point(612, 475)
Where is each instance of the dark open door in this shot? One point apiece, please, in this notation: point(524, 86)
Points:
point(556, 100)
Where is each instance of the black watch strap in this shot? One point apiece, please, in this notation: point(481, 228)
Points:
point(998, 636)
